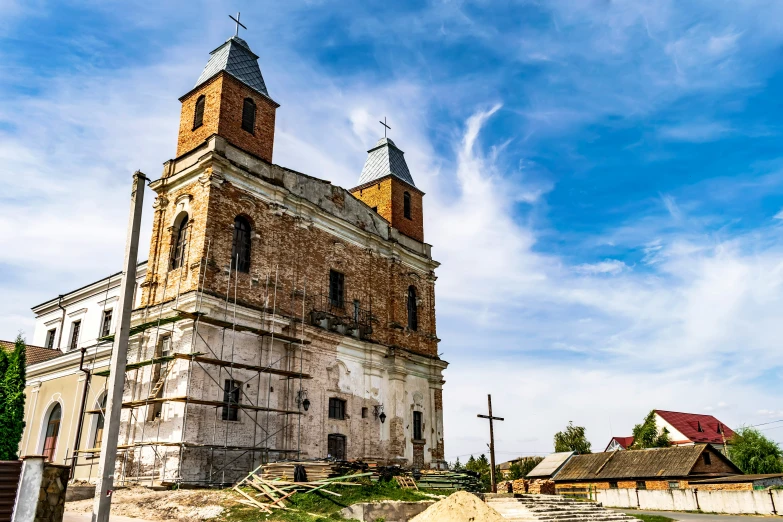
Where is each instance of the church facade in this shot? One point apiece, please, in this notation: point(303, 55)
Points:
point(278, 317)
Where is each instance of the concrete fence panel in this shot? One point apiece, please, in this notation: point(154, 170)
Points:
point(660, 499)
point(736, 502)
point(777, 497)
point(684, 500)
point(622, 498)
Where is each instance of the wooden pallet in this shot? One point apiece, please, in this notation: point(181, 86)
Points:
point(406, 482)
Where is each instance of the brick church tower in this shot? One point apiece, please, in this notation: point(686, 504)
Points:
point(281, 316)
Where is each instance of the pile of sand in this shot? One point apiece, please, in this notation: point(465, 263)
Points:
point(182, 505)
point(459, 507)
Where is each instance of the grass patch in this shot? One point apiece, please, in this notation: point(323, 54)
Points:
point(651, 518)
point(325, 506)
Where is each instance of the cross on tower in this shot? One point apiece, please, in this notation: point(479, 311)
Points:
point(491, 443)
point(384, 125)
point(238, 23)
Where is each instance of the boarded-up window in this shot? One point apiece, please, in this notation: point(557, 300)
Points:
point(249, 115)
point(198, 115)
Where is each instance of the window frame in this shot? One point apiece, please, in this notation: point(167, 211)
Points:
point(336, 408)
point(336, 289)
point(51, 439)
point(231, 395)
point(246, 119)
point(613, 485)
point(418, 422)
point(179, 245)
point(242, 232)
point(641, 484)
point(198, 112)
point(413, 309)
point(406, 204)
point(707, 458)
point(100, 422)
point(50, 335)
point(332, 441)
point(106, 319)
point(76, 329)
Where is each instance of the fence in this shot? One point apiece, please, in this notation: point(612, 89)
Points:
point(759, 502)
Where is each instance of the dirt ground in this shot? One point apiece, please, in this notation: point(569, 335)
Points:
point(186, 505)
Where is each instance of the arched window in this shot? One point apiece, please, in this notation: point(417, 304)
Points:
point(406, 201)
point(179, 246)
point(249, 115)
point(99, 423)
point(240, 251)
point(198, 115)
point(52, 432)
point(413, 312)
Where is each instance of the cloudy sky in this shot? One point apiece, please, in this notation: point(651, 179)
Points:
point(604, 180)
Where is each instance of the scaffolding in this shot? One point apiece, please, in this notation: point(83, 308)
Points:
point(228, 459)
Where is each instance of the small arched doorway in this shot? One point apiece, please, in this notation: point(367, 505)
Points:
point(52, 432)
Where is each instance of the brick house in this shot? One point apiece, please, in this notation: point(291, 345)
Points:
point(278, 316)
point(675, 467)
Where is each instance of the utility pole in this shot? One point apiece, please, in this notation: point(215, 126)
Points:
point(491, 443)
point(119, 358)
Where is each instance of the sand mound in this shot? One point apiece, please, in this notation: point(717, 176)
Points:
point(459, 507)
point(185, 505)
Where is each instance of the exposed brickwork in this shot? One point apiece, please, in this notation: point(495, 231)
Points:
point(388, 195)
point(532, 487)
point(223, 115)
point(741, 486)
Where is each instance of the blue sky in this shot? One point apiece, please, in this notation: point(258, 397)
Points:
point(604, 180)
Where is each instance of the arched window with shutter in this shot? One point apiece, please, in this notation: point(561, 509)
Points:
point(249, 115)
point(406, 201)
point(52, 432)
point(240, 250)
point(179, 245)
point(198, 114)
point(413, 311)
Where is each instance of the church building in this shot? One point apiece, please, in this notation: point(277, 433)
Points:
point(278, 316)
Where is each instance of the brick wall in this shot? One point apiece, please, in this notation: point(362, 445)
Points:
point(223, 115)
point(388, 195)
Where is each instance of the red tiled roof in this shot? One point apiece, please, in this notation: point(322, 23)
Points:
point(689, 424)
point(624, 442)
point(35, 354)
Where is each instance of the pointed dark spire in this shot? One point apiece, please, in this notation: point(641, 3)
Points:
point(235, 58)
point(384, 159)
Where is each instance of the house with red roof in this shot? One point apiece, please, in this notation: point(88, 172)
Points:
point(684, 429)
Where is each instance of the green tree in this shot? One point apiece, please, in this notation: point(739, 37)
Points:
point(753, 453)
point(12, 381)
point(572, 439)
point(482, 467)
point(456, 465)
point(522, 467)
point(645, 435)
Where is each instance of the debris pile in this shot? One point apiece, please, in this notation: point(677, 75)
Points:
point(459, 507)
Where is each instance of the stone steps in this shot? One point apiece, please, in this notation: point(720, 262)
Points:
point(550, 508)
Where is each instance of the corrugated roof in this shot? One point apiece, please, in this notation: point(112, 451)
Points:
point(384, 159)
point(551, 463)
point(677, 461)
point(733, 479)
point(689, 424)
point(236, 58)
point(34, 354)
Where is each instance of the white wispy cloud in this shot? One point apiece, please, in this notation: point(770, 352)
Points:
point(694, 131)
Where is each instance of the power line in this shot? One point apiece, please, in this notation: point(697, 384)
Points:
point(765, 423)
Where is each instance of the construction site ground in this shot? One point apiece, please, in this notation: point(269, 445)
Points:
point(193, 505)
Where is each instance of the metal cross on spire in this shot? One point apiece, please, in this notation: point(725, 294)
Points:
point(238, 23)
point(386, 127)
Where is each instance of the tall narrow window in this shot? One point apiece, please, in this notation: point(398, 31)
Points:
point(180, 244)
point(231, 397)
point(406, 202)
point(99, 423)
point(52, 432)
point(249, 115)
point(417, 425)
point(76, 326)
point(240, 251)
point(336, 288)
point(707, 459)
point(50, 338)
point(336, 408)
point(413, 311)
point(106, 323)
point(336, 446)
point(198, 115)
